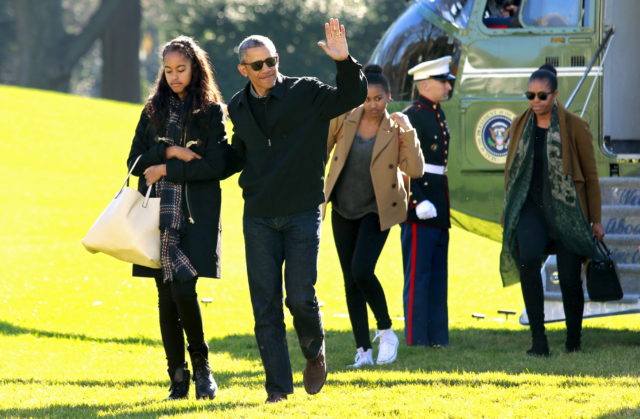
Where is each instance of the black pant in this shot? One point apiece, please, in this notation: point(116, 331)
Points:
point(533, 241)
point(359, 244)
point(179, 310)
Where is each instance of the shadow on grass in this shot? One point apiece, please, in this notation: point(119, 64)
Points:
point(606, 352)
point(152, 409)
point(223, 378)
point(9, 329)
point(621, 413)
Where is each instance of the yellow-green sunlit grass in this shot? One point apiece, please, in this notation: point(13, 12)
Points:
point(79, 336)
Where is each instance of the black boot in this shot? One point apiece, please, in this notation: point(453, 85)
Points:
point(540, 346)
point(179, 383)
point(206, 386)
point(573, 341)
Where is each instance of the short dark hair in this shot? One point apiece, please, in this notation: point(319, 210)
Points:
point(547, 73)
point(373, 74)
point(254, 41)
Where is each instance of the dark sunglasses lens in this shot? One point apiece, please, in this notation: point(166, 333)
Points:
point(257, 65)
point(541, 95)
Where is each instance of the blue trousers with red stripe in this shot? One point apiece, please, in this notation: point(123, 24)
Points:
point(424, 254)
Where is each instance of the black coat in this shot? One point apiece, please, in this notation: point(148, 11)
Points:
point(284, 167)
point(206, 136)
point(431, 127)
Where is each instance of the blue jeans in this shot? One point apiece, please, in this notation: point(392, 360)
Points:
point(294, 241)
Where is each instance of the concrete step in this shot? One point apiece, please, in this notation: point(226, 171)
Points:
point(554, 312)
point(629, 274)
point(621, 219)
point(620, 191)
point(625, 248)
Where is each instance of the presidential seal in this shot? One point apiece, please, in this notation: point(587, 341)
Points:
point(493, 132)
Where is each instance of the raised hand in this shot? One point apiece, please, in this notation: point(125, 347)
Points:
point(336, 45)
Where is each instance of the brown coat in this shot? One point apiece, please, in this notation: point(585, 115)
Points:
point(578, 160)
point(391, 163)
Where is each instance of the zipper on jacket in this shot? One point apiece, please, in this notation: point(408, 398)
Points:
point(186, 198)
point(186, 185)
point(265, 114)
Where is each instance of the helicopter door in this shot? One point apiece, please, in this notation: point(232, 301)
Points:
point(621, 82)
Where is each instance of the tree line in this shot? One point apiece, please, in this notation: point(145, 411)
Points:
point(112, 45)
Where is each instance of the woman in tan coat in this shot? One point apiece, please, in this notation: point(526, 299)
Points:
point(367, 185)
point(552, 205)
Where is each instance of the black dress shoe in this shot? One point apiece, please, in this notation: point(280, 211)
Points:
point(315, 373)
point(275, 398)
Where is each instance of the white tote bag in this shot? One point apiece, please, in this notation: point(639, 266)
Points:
point(128, 229)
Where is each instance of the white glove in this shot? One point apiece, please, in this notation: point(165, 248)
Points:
point(426, 210)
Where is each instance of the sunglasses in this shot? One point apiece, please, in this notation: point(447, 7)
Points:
point(257, 65)
point(541, 95)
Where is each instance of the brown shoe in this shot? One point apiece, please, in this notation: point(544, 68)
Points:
point(315, 373)
point(275, 398)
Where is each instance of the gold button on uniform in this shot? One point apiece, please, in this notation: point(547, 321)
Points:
point(434, 147)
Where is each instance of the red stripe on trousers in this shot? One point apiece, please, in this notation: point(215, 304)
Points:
point(412, 280)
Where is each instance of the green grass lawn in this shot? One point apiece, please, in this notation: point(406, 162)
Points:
point(79, 336)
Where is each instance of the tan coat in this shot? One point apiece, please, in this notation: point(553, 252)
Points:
point(391, 163)
point(578, 160)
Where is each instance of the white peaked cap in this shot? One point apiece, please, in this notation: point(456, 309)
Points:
point(438, 69)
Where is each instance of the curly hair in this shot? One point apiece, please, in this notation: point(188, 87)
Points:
point(202, 91)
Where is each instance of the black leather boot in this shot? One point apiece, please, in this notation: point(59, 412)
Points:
point(179, 383)
point(573, 342)
point(540, 346)
point(206, 387)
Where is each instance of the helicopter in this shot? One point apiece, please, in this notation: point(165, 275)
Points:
point(495, 45)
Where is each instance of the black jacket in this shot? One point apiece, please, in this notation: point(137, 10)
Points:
point(206, 136)
point(431, 127)
point(284, 167)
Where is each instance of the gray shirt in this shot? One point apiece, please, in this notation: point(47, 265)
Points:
point(354, 196)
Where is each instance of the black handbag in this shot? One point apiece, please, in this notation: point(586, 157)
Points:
point(603, 283)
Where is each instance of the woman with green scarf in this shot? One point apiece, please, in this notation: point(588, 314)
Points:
point(552, 205)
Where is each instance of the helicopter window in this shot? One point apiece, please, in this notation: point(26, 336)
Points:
point(552, 13)
point(501, 14)
point(455, 12)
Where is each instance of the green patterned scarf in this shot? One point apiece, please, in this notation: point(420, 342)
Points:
point(566, 215)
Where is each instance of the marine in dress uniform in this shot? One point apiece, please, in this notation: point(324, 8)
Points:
point(425, 234)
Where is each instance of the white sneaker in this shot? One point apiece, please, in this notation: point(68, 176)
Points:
point(363, 358)
point(388, 349)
